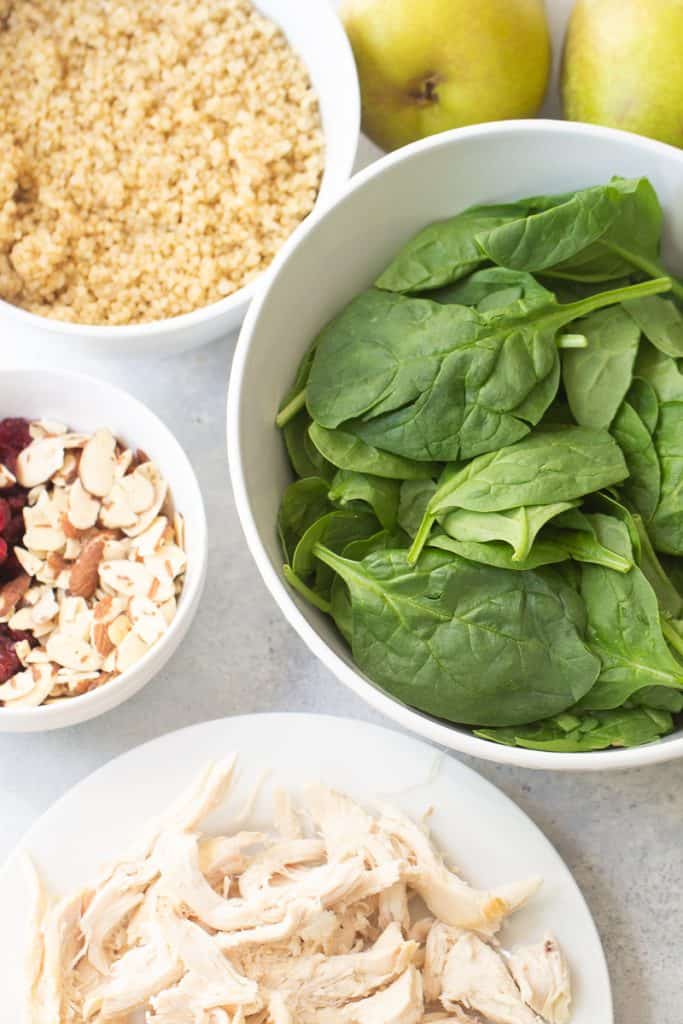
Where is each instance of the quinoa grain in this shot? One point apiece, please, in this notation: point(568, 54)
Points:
point(153, 155)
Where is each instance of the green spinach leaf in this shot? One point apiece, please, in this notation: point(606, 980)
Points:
point(380, 493)
point(500, 554)
point(441, 382)
point(642, 488)
point(546, 467)
point(346, 451)
point(495, 288)
point(518, 527)
point(643, 398)
point(626, 727)
point(303, 502)
point(443, 252)
point(415, 496)
point(466, 642)
point(661, 321)
point(625, 631)
point(597, 377)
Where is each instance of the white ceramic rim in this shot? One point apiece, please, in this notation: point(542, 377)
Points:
point(86, 705)
point(410, 718)
point(333, 180)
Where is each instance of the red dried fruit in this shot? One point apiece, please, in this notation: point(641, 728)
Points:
point(9, 663)
point(14, 433)
point(3, 549)
point(5, 515)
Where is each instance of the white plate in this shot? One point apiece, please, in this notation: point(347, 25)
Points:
point(482, 831)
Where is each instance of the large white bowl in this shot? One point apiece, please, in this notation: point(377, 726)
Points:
point(86, 403)
point(315, 32)
point(338, 255)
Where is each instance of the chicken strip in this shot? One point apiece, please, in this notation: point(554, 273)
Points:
point(476, 978)
point(542, 974)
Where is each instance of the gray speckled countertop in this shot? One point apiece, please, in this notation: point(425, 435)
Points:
point(621, 834)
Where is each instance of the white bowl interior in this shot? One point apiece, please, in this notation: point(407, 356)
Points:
point(315, 32)
point(339, 255)
point(84, 403)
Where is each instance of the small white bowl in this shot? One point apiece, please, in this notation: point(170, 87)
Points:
point(332, 259)
point(85, 403)
point(317, 35)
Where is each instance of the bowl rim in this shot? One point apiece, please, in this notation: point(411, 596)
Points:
point(409, 718)
point(83, 706)
point(333, 180)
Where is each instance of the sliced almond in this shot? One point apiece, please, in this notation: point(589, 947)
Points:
point(28, 562)
point(98, 462)
point(119, 629)
point(101, 640)
point(117, 510)
point(37, 462)
point(68, 473)
point(22, 620)
point(11, 593)
point(44, 539)
point(84, 574)
point(41, 679)
point(124, 460)
point(146, 543)
point(124, 577)
point(130, 650)
point(22, 649)
point(83, 509)
point(47, 428)
point(139, 489)
point(168, 610)
point(74, 440)
point(46, 608)
point(72, 549)
point(7, 477)
point(151, 473)
point(17, 686)
point(72, 652)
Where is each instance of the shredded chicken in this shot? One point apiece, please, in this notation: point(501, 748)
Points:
point(286, 927)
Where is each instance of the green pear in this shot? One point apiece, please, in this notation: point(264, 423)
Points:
point(429, 65)
point(623, 66)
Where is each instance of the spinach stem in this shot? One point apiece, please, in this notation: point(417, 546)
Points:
point(572, 341)
point(420, 538)
point(672, 636)
point(649, 267)
point(573, 310)
point(298, 584)
point(291, 409)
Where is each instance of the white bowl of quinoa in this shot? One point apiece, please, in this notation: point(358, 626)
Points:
point(154, 157)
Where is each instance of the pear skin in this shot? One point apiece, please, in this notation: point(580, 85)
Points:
point(623, 66)
point(429, 65)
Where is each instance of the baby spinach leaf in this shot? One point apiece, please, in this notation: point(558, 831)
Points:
point(660, 320)
point(546, 467)
point(345, 451)
point(443, 252)
point(380, 493)
point(302, 503)
point(442, 382)
point(500, 554)
point(308, 593)
point(643, 398)
point(295, 399)
point(335, 530)
point(596, 378)
point(584, 546)
point(642, 488)
point(340, 601)
point(626, 727)
point(494, 288)
point(668, 596)
point(415, 496)
point(624, 630)
point(304, 457)
point(666, 525)
point(517, 527)
point(466, 642)
point(673, 567)
point(598, 233)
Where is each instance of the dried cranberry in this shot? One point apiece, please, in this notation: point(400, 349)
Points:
point(5, 515)
point(9, 663)
point(3, 549)
point(14, 433)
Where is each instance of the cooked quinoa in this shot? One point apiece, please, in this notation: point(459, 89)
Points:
point(154, 154)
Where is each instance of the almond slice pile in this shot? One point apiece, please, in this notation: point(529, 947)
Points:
point(103, 562)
